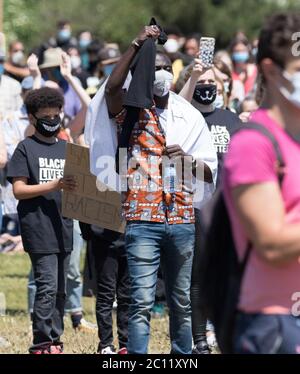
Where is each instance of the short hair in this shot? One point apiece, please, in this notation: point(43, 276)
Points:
point(164, 56)
point(13, 43)
point(63, 22)
point(44, 97)
point(240, 39)
point(275, 41)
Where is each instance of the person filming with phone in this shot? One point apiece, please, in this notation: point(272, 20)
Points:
point(201, 90)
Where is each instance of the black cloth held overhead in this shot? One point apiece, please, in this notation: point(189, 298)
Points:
point(140, 92)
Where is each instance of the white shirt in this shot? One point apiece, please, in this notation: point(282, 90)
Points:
point(10, 96)
point(186, 127)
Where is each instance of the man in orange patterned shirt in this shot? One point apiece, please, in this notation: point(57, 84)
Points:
point(158, 204)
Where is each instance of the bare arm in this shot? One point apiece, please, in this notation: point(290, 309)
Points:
point(188, 89)
point(113, 90)
point(66, 72)
point(21, 72)
point(23, 191)
point(34, 70)
point(76, 125)
point(262, 213)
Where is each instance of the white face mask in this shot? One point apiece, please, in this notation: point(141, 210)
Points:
point(226, 87)
point(75, 62)
point(293, 97)
point(163, 83)
point(17, 58)
point(171, 46)
point(219, 102)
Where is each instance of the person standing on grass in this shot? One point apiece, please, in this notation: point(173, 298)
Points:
point(160, 221)
point(36, 173)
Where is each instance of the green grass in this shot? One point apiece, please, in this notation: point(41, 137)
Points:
point(15, 327)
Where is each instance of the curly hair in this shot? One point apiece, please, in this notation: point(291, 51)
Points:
point(43, 98)
point(275, 41)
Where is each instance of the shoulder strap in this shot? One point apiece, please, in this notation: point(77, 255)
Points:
point(281, 166)
point(268, 134)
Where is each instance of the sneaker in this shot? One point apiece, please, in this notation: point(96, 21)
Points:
point(109, 350)
point(211, 339)
point(56, 350)
point(40, 352)
point(123, 351)
point(85, 326)
point(201, 348)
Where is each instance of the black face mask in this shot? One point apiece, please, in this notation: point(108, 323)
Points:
point(205, 94)
point(48, 127)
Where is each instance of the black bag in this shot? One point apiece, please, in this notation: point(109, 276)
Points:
point(222, 271)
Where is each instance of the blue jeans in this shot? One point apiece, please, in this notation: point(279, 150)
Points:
point(74, 283)
point(146, 244)
point(267, 334)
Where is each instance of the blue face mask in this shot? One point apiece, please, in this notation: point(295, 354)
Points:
point(64, 35)
point(240, 57)
point(84, 43)
point(107, 69)
point(1, 69)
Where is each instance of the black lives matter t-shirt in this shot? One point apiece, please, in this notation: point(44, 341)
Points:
point(43, 228)
point(222, 124)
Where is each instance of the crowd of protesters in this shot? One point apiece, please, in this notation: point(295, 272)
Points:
point(159, 101)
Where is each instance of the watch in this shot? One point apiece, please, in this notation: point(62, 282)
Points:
point(136, 43)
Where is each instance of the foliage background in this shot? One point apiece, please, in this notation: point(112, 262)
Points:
point(33, 21)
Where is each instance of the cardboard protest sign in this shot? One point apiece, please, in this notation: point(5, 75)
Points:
point(88, 204)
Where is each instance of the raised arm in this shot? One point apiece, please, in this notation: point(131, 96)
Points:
point(34, 70)
point(188, 89)
point(66, 72)
point(113, 91)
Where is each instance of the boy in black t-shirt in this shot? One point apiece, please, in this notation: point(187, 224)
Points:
point(36, 172)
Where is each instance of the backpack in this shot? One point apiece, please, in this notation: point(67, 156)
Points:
point(222, 274)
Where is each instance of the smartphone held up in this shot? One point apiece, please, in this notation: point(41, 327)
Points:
point(207, 51)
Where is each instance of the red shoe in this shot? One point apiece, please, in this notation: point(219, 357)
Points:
point(123, 351)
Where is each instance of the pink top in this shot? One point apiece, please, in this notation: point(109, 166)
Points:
point(251, 159)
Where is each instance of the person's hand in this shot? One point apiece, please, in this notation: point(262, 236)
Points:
point(65, 66)
point(198, 69)
point(67, 183)
point(148, 32)
point(33, 66)
point(173, 151)
point(245, 116)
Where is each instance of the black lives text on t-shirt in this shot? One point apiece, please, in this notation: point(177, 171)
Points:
point(50, 169)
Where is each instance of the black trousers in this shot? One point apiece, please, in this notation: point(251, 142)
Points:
point(198, 317)
point(50, 272)
point(112, 280)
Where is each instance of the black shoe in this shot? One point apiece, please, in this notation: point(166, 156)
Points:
point(201, 348)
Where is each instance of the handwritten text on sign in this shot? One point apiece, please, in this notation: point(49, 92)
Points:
point(88, 204)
